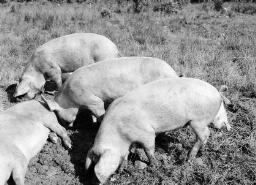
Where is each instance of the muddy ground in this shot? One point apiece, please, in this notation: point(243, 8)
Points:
point(55, 165)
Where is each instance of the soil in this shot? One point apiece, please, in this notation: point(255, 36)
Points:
point(55, 165)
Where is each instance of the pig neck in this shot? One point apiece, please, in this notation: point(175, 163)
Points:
point(30, 70)
point(37, 112)
point(109, 138)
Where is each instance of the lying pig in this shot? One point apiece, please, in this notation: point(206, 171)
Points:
point(24, 129)
point(92, 86)
point(62, 55)
point(159, 106)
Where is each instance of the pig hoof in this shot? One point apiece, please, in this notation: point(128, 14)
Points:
point(53, 137)
point(71, 125)
point(67, 143)
point(94, 119)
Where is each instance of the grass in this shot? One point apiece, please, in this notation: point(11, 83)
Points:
point(196, 41)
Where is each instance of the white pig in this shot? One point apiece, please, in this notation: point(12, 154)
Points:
point(24, 129)
point(62, 55)
point(92, 86)
point(159, 106)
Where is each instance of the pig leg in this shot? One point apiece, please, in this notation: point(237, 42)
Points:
point(88, 164)
point(195, 149)
point(61, 131)
point(89, 161)
point(96, 105)
point(123, 164)
point(4, 174)
point(150, 152)
point(18, 173)
point(89, 167)
point(94, 119)
point(203, 134)
point(148, 143)
point(53, 137)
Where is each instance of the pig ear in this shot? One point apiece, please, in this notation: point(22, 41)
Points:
point(65, 76)
point(21, 89)
point(52, 105)
point(106, 166)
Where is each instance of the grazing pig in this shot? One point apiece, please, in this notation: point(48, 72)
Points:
point(159, 106)
point(92, 86)
point(62, 55)
point(24, 129)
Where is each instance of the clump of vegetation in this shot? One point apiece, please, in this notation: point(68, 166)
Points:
point(218, 5)
point(170, 7)
point(245, 8)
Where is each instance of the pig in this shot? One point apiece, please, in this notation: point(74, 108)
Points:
point(100, 83)
point(62, 55)
point(24, 129)
point(160, 106)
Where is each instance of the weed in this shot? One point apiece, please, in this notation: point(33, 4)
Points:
point(245, 8)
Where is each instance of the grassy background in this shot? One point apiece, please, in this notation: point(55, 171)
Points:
point(196, 41)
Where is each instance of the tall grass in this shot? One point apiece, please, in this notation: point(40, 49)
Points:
point(196, 43)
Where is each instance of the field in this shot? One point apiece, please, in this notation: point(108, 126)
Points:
point(218, 47)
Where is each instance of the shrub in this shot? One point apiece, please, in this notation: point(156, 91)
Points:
point(245, 8)
point(166, 8)
point(218, 5)
point(48, 22)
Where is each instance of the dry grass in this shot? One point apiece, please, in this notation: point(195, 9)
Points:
point(196, 42)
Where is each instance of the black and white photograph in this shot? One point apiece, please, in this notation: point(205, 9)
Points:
point(127, 92)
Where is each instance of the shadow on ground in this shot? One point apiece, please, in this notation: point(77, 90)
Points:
point(10, 90)
point(82, 142)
